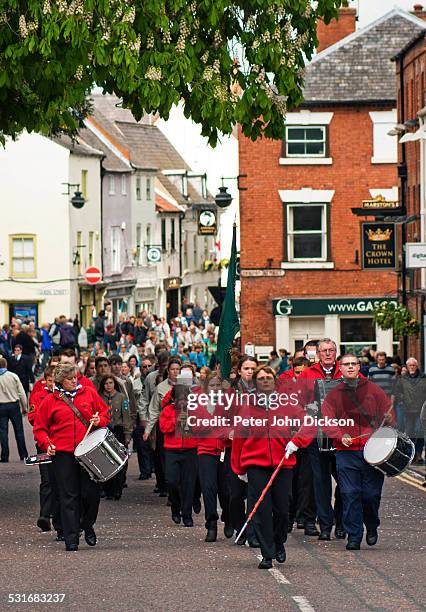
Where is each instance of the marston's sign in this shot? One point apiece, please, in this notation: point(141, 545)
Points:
point(379, 202)
point(378, 246)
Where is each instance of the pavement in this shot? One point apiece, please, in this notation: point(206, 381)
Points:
point(145, 562)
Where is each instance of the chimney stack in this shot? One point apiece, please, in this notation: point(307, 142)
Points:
point(337, 28)
point(419, 11)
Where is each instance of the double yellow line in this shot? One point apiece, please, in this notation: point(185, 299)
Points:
point(414, 482)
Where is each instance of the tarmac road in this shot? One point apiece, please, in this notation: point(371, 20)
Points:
point(145, 562)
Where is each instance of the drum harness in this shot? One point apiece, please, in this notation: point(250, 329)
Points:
point(74, 409)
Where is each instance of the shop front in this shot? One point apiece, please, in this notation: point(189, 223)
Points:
point(347, 321)
point(121, 299)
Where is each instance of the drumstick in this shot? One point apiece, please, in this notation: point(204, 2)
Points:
point(90, 427)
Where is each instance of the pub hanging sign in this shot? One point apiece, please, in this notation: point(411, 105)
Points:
point(378, 246)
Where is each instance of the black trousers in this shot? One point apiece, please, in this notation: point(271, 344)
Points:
point(11, 411)
point(144, 451)
point(181, 474)
point(271, 518)
point(49, 498)
point(323, 468)
point(114, 486)
point(79, 496)
point(237, 492)
point(302, 497)
point(159, 459)
point(212, 474)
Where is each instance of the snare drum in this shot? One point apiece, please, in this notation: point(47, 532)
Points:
point(102, 455)
point(389, 451)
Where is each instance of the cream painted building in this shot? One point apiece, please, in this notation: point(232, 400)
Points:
point(45, 243)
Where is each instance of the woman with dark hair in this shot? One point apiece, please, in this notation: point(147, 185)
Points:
point(257, 450)
point(58, 430)
point(120, 424)
point(237, 487)
point(212, 471)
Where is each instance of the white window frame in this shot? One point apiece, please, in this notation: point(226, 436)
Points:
point(123, 184)
point(291, 233)
point(306, 140)
point(138, 189)
point(115, 248)
point(148, 189)
point(111, 184)
point(13, 258)
point(385, 147)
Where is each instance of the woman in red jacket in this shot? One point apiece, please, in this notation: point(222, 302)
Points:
point(181, 465)
point(49, 500)
point(211, 465)
point(258, 448)
point(58, 431)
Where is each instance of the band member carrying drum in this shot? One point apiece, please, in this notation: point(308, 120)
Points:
point(363, 407)
point(58, 430)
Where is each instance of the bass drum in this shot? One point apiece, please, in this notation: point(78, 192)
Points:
point(389, 451)
point(102, 455)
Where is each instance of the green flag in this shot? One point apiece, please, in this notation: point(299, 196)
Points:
point(229, 323)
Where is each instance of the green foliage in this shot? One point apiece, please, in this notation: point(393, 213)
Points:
point(397, 317)
point(228, 62)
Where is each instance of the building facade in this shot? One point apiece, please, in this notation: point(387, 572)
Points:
point(303, 274)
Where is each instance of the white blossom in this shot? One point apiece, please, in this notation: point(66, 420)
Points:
point(153, 73)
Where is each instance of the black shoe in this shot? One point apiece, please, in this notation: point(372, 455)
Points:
point(280, 554)
point(43, 523)
point(71, 547)
point(60, 537)
point(211, 534)
point(163, 494)
point(90, 537)
point(265, 563)
point(143, 477)
point(324, 535)
point(353, 545)
point(196, 506)
point(188, 522)
point(301, 524)
point(339, 533)
point(311, 530)
point(253, 542)
point(176, 518)
point(168, 503)
point(228, 531)
point(371, 537)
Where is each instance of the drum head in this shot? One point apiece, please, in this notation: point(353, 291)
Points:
point(92, 441)
point(380, 445)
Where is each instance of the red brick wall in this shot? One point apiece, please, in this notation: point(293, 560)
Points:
point(337, 29)
point(262, 220)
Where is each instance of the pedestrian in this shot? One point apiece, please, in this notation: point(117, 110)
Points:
point(99, 329)
point(364, 406)
point(22, 366)
point(382, 374)
point(13, 404)
point(409, 393)
point(58, 432)
point(46, 345)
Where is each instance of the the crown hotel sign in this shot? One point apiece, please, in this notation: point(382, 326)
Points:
point(378, 246)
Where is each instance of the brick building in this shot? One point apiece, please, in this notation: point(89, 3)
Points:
point(301, 259)
point(411, 84)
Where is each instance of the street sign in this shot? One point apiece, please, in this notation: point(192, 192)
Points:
point(416, 254)
point(153, 254)
point(93, 275)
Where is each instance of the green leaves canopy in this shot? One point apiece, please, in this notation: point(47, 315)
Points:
point(228, 62)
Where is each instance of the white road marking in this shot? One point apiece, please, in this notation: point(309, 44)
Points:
point(303, 604)
point(279, 576)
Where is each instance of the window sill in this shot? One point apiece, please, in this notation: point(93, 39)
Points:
point(307, 265)
point(306, 161)
point(378, 160)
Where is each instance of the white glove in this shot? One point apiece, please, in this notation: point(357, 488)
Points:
point(243, 477)
point(290, 448)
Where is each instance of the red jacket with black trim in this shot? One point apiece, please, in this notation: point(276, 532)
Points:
point(264, 444)
point(174, 438)
point(56, 422)
point(344, 403)
point(35, 399)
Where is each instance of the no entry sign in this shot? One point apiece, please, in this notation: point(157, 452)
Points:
point(92, 275)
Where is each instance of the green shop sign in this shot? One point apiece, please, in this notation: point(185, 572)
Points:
point(332, 306)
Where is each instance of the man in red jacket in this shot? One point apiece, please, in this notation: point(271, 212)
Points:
point(323, 463)
point(364, 406)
